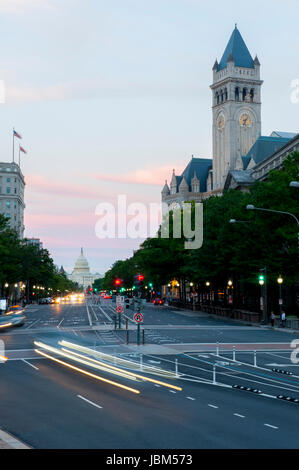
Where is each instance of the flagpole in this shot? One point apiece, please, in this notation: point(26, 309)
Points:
point(20, 156)
point(13, 145)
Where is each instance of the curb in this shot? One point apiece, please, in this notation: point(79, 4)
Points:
point(7, 441)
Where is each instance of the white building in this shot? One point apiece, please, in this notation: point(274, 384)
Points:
point(81, 273)
point(12, 186)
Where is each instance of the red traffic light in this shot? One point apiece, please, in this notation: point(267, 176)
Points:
point(118, 282)
point(140, 277)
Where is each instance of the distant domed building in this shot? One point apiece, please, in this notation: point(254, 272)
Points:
point(81, 272)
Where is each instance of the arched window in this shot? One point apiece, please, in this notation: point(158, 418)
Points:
point(217, 97)
point(251, 95)
point(244, 94)
point(225, 94)
point(221, 93)
point(237, 94)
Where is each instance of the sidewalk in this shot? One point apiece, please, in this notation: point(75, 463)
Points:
point(244, 322)
point(7, 441)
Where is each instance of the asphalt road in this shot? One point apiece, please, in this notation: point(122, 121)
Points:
point(48, 405)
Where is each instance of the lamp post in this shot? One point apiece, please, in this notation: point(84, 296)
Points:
point(230, 293)
point(208, 284)
point(280, 281)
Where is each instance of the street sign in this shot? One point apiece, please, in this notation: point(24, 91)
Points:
point(2, 304)
point(120, 300)
point(119, 308)
point(138, 317)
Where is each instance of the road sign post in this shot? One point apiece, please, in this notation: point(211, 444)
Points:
point(138, 317)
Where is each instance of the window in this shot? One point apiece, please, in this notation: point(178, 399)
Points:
point(7, 204)
point(244, 93)
point(15, 190)
point(251, 95)
point(7, 180)
point(15, 205)
point(237, 94)
point(7, 215)
point(8, 190)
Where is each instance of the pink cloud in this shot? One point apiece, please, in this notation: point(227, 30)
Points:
point(39, 184)
point(149, 175)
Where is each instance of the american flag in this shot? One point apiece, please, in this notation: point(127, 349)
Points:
point(16, 134)
point(22, 150)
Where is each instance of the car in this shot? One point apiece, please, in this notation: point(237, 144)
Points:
point(14, 317)
point(107, 296)
point(158, 301)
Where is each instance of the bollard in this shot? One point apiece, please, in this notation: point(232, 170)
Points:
point(176, 368)
point(119, 321)
point(115, 322)
point(217, 350)
point(127, 336)
point(141, 361)
point(127, 322)
point(234, 353)
point(143, 337)
point(254, 359)
point(214, 374)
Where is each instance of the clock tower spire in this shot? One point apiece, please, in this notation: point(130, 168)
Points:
point(236, 107)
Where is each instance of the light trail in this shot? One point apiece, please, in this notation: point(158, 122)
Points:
point(82, 371)
point(142, 377)
point(70, 355)
point(120, 361)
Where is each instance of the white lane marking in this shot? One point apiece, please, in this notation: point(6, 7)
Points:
point(90, 402)
point(12, 441)
point(239, 416)
point(156, 385)
point(270, 426)
point(213, 406)
point(172, 391)
point(88, 314)
point(106, 314)
point(34, 367)
point(60, 323)
point(190, 398)
point(29, 326)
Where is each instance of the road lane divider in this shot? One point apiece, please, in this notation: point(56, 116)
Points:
point(82, 371)
point(90, 402)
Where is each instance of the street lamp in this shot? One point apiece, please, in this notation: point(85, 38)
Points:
point(234, 221)
point(280, 281)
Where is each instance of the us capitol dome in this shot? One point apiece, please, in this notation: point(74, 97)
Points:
point(81, 272)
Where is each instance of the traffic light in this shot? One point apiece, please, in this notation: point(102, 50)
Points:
point(262, 277)
point(118, 282)
point(138, 280)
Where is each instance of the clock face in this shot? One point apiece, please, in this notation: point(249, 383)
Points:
point(221, 123)
point(245, 120)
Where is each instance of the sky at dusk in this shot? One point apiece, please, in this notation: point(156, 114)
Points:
point(110, 96)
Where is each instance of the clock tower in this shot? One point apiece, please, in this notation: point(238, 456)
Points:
point(236, 107)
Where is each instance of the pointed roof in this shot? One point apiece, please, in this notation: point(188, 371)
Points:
point(200, 167)
point(166, 190)
point(236, 49)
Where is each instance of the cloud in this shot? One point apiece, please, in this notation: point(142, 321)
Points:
point(20, 6)
point(40, 184)
point(149, 175)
